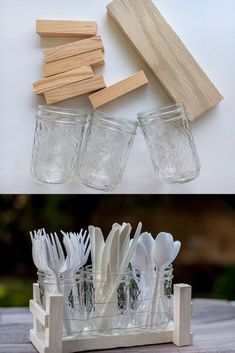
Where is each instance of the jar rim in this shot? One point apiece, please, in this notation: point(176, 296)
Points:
point(60, 115)
point(164, 114)
point(116, 121)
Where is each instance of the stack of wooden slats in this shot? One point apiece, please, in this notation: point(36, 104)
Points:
point(68, 69)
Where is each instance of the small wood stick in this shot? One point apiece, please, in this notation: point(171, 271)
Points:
point(182, 315)
point(74, 89)
point(93, 58)
point(56, 81)
point(118, 89)
point(66, 28)
point(71, 49)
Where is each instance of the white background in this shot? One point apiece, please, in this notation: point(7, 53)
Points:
point(207, 27)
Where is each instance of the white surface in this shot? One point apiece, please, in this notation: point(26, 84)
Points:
point(206, 27)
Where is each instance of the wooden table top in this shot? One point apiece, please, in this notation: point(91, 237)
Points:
point(213, 326)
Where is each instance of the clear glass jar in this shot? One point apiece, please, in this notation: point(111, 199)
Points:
point(106, 314)
point(57, 143)
point(72, 289)
point(150, 299)
point(171, 144)
point(106, 149)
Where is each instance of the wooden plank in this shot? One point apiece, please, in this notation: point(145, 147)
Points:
point(39, 313)
point(165, 54)
point(93, 58)
point(65, 28)
point(118, 89)
point(54, 331)
point(182, 314)
point(38, 342)
point(133, 339)
point(55, 81)
point(37, 326)
point(75, 89)
point(71, 49)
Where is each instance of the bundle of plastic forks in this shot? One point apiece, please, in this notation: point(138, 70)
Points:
point(49, 257)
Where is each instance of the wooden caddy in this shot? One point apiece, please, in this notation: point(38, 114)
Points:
point(46, 334)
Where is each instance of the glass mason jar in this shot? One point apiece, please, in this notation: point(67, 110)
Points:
point(106, 312)
point(72, 289)
point(171, 144)
point(150, 299)
point(57, 143)
point(106, 149)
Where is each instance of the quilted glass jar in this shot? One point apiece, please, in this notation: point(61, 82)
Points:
point(170, 144)
point(57, 143)
point(150, 298)
point(106, 149)
point(72, 289)
point(107, 302)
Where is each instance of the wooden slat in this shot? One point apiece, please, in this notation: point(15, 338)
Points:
point(39, 312)
point(165, 54)
point(54, 331)
point(118, 89)
point(65, 28)
point(76, 75)
point(71, 49)
point(182, 314)
point(38, 342)
point(93, 58)
point(126, 340)
point(37, 326)
point(74, 89)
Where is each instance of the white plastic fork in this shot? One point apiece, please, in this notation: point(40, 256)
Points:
point(39, 253)
point(78, 248)
point(56, 257)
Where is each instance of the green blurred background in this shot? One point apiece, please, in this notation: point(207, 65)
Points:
point(204, 224)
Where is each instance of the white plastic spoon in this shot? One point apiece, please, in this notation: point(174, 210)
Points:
point(164, 254)
point(140, 260)
point(148, 242)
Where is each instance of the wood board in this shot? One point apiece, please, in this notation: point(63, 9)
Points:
point(71, 49)
point(75, 89)
point(118, 89)
point(55, 81)
point(165, 54)
point(92, 58)
point(65, 28)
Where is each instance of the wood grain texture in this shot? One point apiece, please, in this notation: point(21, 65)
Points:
point(213, 326)
point(118, 89)
point(71, 49)
point(65, 28)
point(165, 54)
point(93, 58)
point(55, 81)
point(75, 89)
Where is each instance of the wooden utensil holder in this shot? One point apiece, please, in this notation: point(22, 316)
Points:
point(47, 335)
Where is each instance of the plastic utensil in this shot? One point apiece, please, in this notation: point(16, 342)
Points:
point(148, 242)
point(165, 252)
